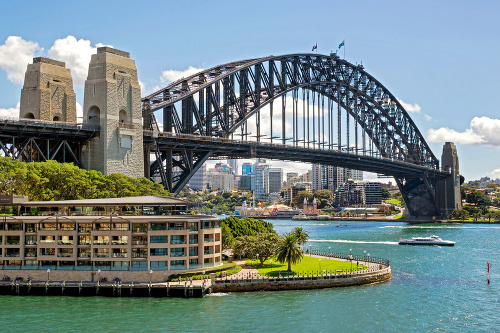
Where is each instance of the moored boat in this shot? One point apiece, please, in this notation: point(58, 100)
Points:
point(432, 240)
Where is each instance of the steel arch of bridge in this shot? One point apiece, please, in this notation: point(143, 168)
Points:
point(220, 101)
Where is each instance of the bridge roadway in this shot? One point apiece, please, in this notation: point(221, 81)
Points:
point(219, 146)
point(47, 129)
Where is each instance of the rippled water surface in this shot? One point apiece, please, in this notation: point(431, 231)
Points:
point(432, 289)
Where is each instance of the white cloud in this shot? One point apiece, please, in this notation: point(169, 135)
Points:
point(76, 54)
point(15, 55)
point(10, 112)
point(495, 173)
point(173, 75)
point(482, 130)
point(412, 108)
point(79, 110)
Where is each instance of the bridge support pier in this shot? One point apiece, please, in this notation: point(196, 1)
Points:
point(450, 187)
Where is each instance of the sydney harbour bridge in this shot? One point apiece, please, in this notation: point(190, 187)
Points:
point(299, 107)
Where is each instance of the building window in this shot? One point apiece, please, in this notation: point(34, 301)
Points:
point(49, 226)
point(177, 264)
point(83, 240)
point(15, 226)
point(193, 251)
point(193, 226)
point(30, 253)
point(65, 253)
point(177, 226)
point(29, 240)
point(102, 227)
point(47, 252)
point(31, 227)
point(84, 227)
point(158, 239)
point(139, 227)
point(193, 239)
point(177, 239)
point(83, 253)
point(101, 253)
point(139, 240)
point(158, 226)
point(119, 240)
point(65, 240)
point(139, 253)
point(13, 240)
point(120, 253)
point(158, 252)
point(101, 240)
point(177, 252)
point(158, 265)
point(67, 226)
point(120, 226)
point(47, 239)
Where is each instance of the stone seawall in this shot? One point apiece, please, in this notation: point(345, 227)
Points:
point(302, 282)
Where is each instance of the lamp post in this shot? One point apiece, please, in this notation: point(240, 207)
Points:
point(329, 252)
point(48, 275)
point(319, 260)
point(98, 274)
point(350, 257)
point(150, 276)
point(257, 258)
point(368, 257)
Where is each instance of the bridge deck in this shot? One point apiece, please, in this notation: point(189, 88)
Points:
point(253, 149)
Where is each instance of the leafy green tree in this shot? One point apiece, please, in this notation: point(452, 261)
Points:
point(324, 198)
point(298, 201)
point(265, 246)
point(301, 235)
point(227, 236)
point(459, 214)
point(385, 194)
point(489, 215)
point(247, 226)
point(289, 250)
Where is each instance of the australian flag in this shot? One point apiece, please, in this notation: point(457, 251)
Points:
point(315, 46)
point(341, 44)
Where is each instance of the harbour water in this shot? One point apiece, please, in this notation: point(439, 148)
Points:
point(432, 289)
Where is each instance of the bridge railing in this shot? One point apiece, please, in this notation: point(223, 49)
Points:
point(48, 123)
point(166, 135)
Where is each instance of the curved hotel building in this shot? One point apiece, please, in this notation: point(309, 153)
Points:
point(134, 239)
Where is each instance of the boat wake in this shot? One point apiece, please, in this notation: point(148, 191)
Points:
point(350, 241)
point(436, 227)
point(217, 294)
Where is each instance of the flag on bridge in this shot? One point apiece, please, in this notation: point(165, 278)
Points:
point(341, 44)
point(315, 46)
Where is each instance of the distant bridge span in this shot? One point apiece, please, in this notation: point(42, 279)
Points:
point(320, 109)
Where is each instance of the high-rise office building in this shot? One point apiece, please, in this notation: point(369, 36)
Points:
point(275, 180)
point(354, 174)
point(289, 178)
point(261, 189)
point(247, 168)
point(199, 180)
point(233, 165)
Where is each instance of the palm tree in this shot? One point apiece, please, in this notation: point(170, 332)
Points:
point(301, 235)
point(289, 250)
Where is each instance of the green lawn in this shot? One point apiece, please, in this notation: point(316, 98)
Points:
point(394, 201)
point(307, 266)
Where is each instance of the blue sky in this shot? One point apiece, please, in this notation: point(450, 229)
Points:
point(439, 57)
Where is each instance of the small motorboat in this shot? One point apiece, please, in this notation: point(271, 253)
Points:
point(341, 225)
point(432, 240)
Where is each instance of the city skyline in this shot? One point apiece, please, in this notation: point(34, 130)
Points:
point(420, 63)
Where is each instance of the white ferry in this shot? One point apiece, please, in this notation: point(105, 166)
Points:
point(433, 240)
